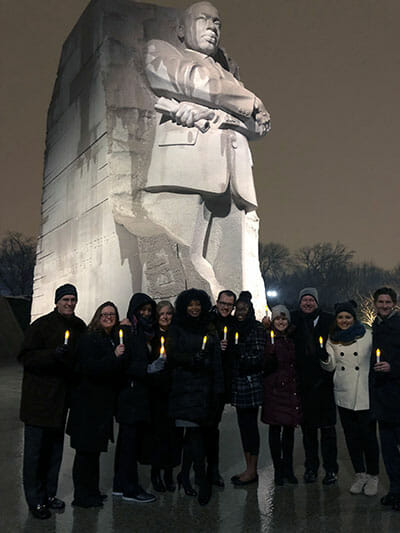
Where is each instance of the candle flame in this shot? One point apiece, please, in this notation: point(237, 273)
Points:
point(67, 334)
point(204, 339)
point(162, 341)
point(378, 354)
point(272, 334)
point(225, 329)
point(321, 342)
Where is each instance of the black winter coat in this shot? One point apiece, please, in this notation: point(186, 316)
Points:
point(47, 377)
point(385, 386)
point(133, 398)
point(93, 398)
point(316, 385)
point(195, 392)
point(228, 355)
point(281, 397)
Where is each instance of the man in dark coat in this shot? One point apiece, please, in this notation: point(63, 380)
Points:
point(385, 387)
point(221, 317)
point(316, 387)
point(47, 356)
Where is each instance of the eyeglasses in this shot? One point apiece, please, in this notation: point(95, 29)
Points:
point(107, 315)
point(225, 304)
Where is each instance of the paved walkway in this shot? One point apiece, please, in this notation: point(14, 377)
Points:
point(303, 508)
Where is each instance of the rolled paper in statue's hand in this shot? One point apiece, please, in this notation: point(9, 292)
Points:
point(272, 335)
point(121, 336)
point(321, 342)
point(168, 106)
point(378, 355)
point(225, 333)
point(66, 337)
point(203, 346)
point(163, 355)
point(236, 338)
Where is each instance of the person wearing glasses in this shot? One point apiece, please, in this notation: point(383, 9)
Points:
point(99, 366)
point(221, 317)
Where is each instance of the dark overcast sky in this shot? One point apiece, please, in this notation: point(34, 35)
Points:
point(327, 70)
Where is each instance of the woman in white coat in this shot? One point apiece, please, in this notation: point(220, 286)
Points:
point(348, 353)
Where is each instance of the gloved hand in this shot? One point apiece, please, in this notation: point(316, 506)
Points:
point(322, 354)
point(60, 353)
point(201, 361)
point(156, 366)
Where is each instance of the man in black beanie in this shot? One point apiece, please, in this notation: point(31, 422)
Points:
point(47, 355)
point(316, 387)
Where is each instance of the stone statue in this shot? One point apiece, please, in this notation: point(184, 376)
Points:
point(147, 182)
point(201, 162)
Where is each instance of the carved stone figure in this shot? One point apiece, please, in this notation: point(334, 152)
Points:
point(201, 148)
point(148, 183)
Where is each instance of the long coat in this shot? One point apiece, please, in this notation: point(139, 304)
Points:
point(282, 404)
point(247, 381)
point(195, 392)
point(93, 398)
point(133, 399)
point(350, 364)
point(385, 386)
point(316, 384)
point(47, 379)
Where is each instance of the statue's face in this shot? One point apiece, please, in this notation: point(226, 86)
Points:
point(201, 29)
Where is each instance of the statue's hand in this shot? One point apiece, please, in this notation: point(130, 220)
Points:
point(188, 113)
point(262, 117)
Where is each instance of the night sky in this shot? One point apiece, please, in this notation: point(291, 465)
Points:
point(328, 71)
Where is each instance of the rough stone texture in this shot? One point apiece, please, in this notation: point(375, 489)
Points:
point(101, 124)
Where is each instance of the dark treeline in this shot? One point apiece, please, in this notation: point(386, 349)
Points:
point(17, 261)
point(330, 268)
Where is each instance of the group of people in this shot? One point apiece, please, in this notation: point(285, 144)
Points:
point(165, 373)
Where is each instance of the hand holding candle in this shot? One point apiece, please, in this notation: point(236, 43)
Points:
point(378, 355)
point(203, 346)
point(66, 337)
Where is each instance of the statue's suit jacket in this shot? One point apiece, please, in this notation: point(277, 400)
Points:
point(185, 159)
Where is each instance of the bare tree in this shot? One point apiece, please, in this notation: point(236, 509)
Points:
point(275, 261)
point(17, 261)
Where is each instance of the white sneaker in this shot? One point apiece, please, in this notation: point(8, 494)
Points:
point(359, 482)
point(371, 486)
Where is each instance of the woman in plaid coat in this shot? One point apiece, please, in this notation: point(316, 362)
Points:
point(247, 383)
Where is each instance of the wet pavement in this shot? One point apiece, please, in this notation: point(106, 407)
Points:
point(263, 508)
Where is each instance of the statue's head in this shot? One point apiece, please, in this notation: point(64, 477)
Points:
point(200, 28)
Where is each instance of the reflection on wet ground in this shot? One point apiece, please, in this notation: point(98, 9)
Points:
point(303, 508)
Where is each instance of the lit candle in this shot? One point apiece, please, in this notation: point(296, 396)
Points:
point(203, 346)
point(378, 355)
point(272, 334)
point(121, 336)
point(66, 337)
point(266, 309)
point(225, 333)
point(321, 342)
point(162, 348)
point(236, 338)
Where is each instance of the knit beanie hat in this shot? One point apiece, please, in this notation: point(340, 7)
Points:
point(279, 310)
point(63, 290)
point(348, 307)
point(309, 291)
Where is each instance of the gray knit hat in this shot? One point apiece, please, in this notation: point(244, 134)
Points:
point(279, 310)
point(309, 291)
